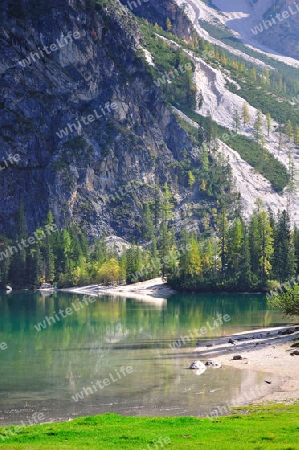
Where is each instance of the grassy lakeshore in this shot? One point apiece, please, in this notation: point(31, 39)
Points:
point(252, 427)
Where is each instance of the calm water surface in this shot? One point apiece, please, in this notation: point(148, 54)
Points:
point(41, 371)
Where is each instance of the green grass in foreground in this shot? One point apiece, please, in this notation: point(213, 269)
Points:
point(256, 427)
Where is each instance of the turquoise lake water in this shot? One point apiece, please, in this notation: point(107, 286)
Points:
point(127, 342)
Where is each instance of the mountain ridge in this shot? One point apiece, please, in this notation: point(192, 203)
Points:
point(76, 173)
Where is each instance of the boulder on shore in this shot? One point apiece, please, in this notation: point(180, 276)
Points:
point(45, 286)
point(213, 364)
point(197, 365)
point(237, 357)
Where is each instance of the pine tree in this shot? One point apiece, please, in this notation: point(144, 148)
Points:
point(254, 244)
point(38, 265)
point(191, 178)
point(123, 266)
point(194, 265)
point(291, 187)
point(245, 114)
point(281, 140)
point(289, 129)
point(223, 234)
point(236, 121)
point(245, 277)
point(101, 252)
point(18, 267)
point(184, 258)
point(148, 229)
point(209, 255)
point(269, 123)
point(283, 257)
point(234, 246)
point(257, 127)
point(48, 251)
point(157, 206)
point(165, 238)
point(266, 244)
point(66, 248)
point(267, 77)
point(211, 132)
point(204, 158)
point(203, 185)
point(296, 135)
point(253, 74)
point(168, 24)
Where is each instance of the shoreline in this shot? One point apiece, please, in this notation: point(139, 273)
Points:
point(265, 350)
point(154, 290)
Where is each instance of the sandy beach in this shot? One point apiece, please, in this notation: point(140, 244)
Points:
point(266, 350)
point(154, 290)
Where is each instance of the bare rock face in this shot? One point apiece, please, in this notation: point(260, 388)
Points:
point(81, 111)
point(158, 11)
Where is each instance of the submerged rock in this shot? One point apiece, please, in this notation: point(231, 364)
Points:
point(288, 331)
point(213, 364)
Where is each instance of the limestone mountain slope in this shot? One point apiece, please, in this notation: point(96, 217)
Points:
point(76, 166)
point(218, 101)
point(89, 126)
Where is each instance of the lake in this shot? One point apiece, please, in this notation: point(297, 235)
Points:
point(119, 355)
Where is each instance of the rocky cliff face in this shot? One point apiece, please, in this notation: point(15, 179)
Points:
point(280, 26)
point(80, 116)
point(159, 11)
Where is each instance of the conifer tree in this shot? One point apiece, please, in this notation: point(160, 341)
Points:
point(48, 251)
point(269, 123)
point(257, 127)
point(164, 245)
point(18, 267)
point(236, 121)
point(281, 140)
point(191, 178)
point(223, 234)
point(148, 229)
point(266, 244)
point(254, 243)
point(245, 114)
point(245, 277)
point(289, 129)
point(168, 24)
point(283, 257)
point(157, 206)
point(234, 246)
point(195, 261)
